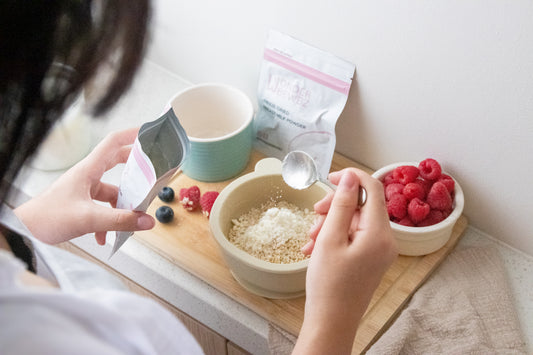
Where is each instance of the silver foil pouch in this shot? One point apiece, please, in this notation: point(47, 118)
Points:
point(159, 150)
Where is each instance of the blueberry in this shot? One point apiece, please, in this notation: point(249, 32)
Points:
point(164, 214)
point(166, 194)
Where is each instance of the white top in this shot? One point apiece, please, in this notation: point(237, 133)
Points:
point(91, 313)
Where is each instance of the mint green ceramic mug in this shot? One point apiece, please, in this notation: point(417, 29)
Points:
point(218, 121)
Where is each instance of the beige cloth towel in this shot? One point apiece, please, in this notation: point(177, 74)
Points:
point(465, 307)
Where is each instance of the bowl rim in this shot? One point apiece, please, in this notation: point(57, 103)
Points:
point(239, 254)
point(459, 202)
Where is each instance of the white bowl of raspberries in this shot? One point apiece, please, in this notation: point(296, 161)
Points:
point(423, 203)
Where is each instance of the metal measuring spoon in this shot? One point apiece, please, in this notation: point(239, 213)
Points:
point(299, 171)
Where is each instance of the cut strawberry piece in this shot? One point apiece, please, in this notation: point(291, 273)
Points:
point(207, 201)
point(190, 198)
point(439, 198)
point(413, 190)
point(430, 169)
point(392, 189)
point(405, 174)
point(417, 210)
point(397, 206)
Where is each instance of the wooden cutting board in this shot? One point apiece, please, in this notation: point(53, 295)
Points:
point(187, 242)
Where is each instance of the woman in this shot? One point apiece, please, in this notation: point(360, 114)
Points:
point(50, 50)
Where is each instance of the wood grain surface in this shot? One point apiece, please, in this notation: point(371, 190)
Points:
point(187, 242)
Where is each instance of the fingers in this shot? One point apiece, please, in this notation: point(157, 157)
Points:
point(106, 193)
point(343, 207)
point(113, 149)
point(118, 139)
point(322, 206)
point(317, 226)
point(313, 234)
point(100, 237)
point(111, 219)
point(373, 227)
point(374, 189)
point(351, 220)
point(120, 156)
point(307, 249)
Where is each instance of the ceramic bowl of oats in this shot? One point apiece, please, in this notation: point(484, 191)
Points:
point(260, 225)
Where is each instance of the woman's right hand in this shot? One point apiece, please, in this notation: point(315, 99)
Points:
point(352, 247)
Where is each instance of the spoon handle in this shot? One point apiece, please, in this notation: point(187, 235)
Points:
point(362, 192)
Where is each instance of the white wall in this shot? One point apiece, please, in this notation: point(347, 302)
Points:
point(448, 79)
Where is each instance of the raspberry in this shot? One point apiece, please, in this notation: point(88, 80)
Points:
point(439, 198)
point(389, 179)
point(413, 190)
point(417, 210)
point(392, 189)
point(190, 198)
point(207, 201)
point(447, 212)
point(426, 197)
point(448, 182)
point(426, 185)
point(433, 217)
point(430, 169)
point(406, 221)
point(405, 174)
point(397, 206)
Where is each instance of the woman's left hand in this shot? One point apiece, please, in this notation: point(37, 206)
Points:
point(67, 208)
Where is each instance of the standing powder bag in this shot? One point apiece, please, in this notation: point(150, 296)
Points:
point(302, 92)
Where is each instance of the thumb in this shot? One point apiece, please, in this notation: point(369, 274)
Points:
point(343, 205)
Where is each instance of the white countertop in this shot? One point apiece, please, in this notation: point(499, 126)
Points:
point(144, 102)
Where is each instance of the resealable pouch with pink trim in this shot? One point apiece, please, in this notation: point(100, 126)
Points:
point(302, 92)
point(159, 150)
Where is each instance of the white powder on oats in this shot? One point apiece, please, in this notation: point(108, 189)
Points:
point(275, 232)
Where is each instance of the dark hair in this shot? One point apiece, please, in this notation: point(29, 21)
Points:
point(49, 51)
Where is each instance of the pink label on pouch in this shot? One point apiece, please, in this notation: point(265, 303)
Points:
point(307, 71)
